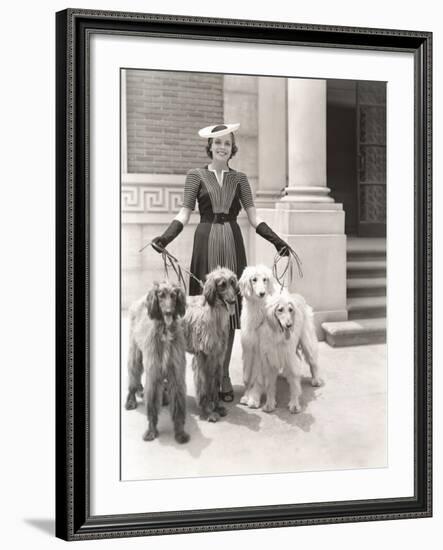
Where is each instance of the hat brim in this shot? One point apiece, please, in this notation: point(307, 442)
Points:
point(209, 133)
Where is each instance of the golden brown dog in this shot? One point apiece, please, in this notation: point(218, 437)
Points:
point(157, 347)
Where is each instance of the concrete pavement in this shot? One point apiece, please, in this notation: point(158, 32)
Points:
point(342, 425)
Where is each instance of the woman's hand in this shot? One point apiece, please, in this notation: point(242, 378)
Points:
point(157, 244)
point(174, 228)
point(266, 232)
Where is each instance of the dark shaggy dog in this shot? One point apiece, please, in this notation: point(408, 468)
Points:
point(206, 327)
point(157, 346)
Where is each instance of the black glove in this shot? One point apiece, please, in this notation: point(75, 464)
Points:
point(266, 232)
point(174, 228)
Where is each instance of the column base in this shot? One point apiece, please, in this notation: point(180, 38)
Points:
point(323, 257)
point(308, 193)
point(317, 236)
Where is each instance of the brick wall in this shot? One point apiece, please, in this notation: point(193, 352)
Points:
point(165, 110)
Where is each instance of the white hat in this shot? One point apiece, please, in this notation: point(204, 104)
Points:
point(218, 130)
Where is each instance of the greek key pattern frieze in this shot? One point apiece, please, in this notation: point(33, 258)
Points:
point(140, 198)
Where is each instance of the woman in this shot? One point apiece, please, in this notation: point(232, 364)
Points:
point(221, 192)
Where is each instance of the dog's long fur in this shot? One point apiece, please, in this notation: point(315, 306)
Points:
point(157, 346)
point(258, 287)
point(287, 318)
point(206, 328)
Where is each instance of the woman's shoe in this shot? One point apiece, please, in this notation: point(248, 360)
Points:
point(226, 392)
point(226, 396)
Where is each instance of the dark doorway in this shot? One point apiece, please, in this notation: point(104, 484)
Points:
point(356, 153)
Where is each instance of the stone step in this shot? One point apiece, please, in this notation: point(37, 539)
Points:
point(366, 286)
point(365, 307)
point(350, 256)
point(356, 245)
point(365, 249)
point(354, 333)
point(366, 268)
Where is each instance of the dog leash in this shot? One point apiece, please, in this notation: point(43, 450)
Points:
point(288, 270)
point(174, 264)
point(287, 276)
point(176, 268)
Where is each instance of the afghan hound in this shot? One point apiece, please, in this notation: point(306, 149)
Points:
point(157, 346)
point(256, 284)
point(287, 318)
point(206, 327)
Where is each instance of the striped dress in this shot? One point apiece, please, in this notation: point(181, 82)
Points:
point(218, 240)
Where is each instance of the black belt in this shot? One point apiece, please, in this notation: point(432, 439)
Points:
point(217, 218)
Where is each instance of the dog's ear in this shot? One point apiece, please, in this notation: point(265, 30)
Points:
point(245, 283)
point(180, 301)
point(271, 314)
point(152, 304)
point(210, 290)
point(272, 285)
point(275, 319)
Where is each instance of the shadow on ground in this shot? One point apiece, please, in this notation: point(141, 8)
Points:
point(250, 441)
point(42, 524)
point(244, 416)
point(239, 415)
point(303, 419)
point(198, 442)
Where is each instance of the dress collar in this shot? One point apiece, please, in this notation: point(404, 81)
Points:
point(223, 172)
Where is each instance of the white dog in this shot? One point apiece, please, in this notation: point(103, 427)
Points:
point(288, 322)
point(257, 286)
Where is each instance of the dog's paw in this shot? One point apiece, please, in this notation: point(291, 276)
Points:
point(253, 403)
point(244, 400)
point(294, 408)
point(317, 382)
point(150, 435)
point(221, 410)
point(213, 417)
point(182, 437)
point(131, 403)
point(269, 407)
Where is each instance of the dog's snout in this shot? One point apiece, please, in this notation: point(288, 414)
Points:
point(261, 293)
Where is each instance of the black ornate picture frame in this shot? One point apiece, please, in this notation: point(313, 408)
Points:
point(74, 30)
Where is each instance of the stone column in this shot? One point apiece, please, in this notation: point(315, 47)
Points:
point(307, 141)
point(272, 154)
point(307, 217)
point(272, 160)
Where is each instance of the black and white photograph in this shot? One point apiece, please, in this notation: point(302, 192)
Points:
point(243, 274)
point(220, 227)
point(253, 274)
